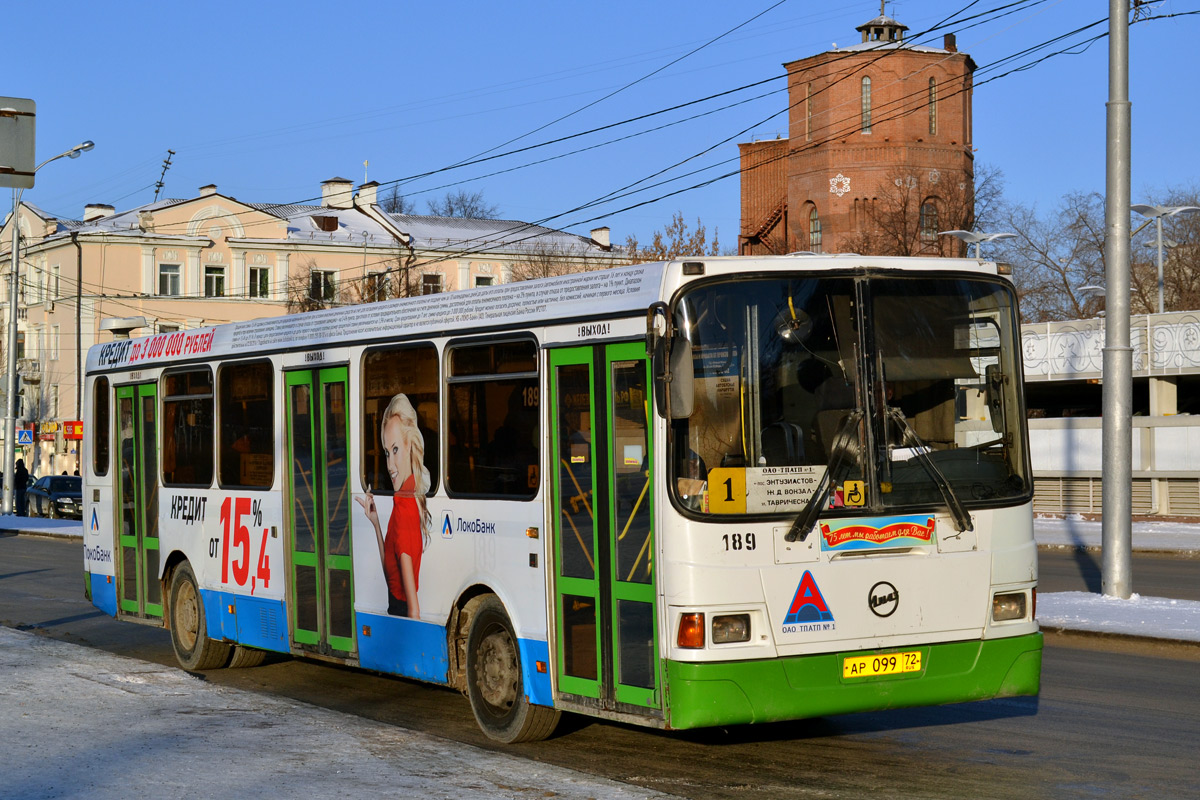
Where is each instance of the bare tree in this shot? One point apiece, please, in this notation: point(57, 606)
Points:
point(1056, 257)
point(311, 288)
point(395, 203)
point(546, 259)
point(1181, 256)
point(396, 278)
point(675, 241)
point(461, 203)
point(914, 206)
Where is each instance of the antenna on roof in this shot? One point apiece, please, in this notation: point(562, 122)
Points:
point(166, 166)
point(365, 165)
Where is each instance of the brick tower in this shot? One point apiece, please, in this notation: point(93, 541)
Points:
point(878, 158)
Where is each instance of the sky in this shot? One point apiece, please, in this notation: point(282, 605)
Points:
point(268, 99)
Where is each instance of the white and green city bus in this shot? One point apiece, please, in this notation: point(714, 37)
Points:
point(683, 494)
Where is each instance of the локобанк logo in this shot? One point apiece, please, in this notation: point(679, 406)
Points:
point(447, 527)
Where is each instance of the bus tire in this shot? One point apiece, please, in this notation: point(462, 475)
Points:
point(246, 657)
point(494, 683)
point(189, 634)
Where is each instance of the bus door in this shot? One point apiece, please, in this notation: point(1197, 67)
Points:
point(139, 588)
point(320, 589)
point(606, 648)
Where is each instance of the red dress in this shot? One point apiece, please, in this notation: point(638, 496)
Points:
point(403, 536)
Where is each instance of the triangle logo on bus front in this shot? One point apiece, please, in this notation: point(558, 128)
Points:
point(808, 605)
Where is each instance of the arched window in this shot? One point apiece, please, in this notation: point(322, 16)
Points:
point(814, 231)
point(932, 107)
point(929, 221)
point(866, 105)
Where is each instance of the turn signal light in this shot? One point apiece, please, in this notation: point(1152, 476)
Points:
point(691, 631)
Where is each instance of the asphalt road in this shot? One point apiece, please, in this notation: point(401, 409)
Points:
point(1115, 718)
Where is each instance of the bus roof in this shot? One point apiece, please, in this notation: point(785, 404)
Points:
point(603, 293)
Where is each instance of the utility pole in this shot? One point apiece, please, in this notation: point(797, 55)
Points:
point(1117, 447)
point(166, 166)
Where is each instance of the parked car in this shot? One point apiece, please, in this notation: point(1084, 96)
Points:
point(55, 496)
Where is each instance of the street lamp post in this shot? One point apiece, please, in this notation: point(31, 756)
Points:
point(976, 238)
point(1156, 213)
point(10, 417)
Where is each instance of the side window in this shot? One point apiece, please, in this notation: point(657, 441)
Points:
point(400, 384)
point(99, 423)
point(187, 428)
point(247, 430)
point(493, 436)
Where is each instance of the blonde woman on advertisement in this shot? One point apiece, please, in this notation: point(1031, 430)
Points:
point(408, 528)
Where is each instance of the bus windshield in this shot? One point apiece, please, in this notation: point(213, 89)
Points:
point(905, 389)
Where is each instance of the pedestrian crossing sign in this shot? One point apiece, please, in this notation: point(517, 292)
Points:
point(25, 436)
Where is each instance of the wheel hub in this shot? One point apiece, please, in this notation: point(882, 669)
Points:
point(187, 617)
point(497, 671)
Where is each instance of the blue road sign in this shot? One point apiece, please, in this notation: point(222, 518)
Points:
point(24, 436)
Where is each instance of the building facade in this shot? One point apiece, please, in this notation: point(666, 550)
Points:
point(878, 157)
point(211, 259)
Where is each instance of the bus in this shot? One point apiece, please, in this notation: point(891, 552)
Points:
point(703, 492)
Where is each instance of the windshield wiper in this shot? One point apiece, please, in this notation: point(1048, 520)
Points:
point(803, 524)
point(962, 519)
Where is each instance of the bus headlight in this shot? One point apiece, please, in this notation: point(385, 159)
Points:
point(1008, 606)
point(729, 628)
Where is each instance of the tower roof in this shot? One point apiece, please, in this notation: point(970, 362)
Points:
point(882, 29)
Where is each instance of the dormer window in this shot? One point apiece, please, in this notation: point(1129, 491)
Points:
point(326, 223)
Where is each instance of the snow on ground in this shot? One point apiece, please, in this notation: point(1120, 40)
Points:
point(1075, 531)
point(78, 722)
point(1155, 617)
point(1144, 616)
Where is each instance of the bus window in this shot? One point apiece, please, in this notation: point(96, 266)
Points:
point(187, 428)
point(492, 413)
point(99, 423)
point(247, 430)
point(387, 374)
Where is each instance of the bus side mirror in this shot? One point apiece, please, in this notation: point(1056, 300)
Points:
point(674, 387)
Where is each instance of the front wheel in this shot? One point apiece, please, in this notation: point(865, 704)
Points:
point(494, 682)
point(189, 634)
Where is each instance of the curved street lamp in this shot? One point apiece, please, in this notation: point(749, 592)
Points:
point(10, 416)
point(1156, 214)
point(976, 238)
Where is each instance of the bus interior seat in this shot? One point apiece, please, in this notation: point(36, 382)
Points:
point(783, 444)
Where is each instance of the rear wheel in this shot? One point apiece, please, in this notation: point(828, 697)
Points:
point(189, 636)
point(494, 682)
point(246, 657)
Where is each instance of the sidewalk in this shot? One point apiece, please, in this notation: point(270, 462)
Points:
point(1148, 617)
point(65, 710)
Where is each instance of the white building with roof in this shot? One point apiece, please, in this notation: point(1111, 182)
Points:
point(209, 259)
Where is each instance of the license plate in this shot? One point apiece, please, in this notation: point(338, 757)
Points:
point(882, 664)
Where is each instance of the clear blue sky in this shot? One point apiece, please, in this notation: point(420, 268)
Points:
point(267, 99)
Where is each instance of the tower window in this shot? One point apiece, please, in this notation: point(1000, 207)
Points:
point(932, 106)
point(814, 231)
point(866, 105)
point(929, 222)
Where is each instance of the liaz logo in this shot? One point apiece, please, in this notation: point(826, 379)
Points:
point(808, 611)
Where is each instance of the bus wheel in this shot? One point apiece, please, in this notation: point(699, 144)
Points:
point(246, 657)
point(193, 649)
point(494, 682)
